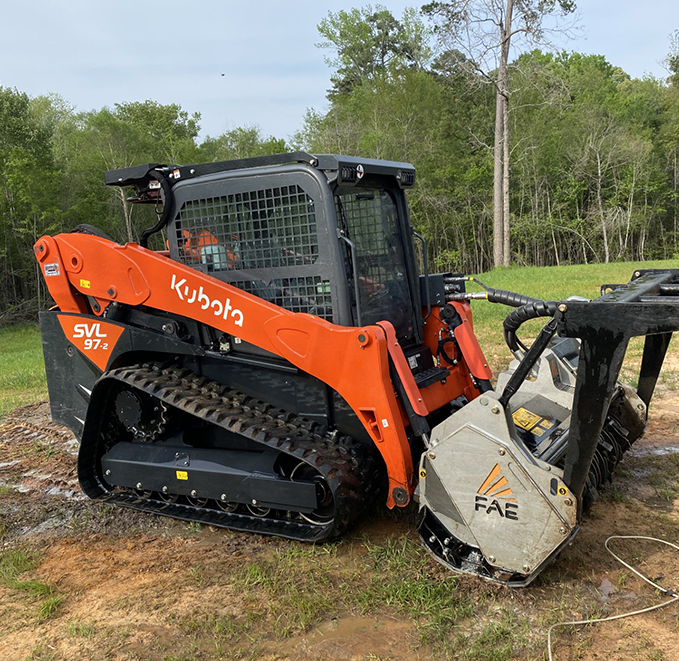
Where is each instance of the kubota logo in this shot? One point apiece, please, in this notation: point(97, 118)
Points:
point(494, 495)
point(199, 297)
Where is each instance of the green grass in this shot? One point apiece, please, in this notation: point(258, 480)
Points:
point(499, 640)
point(49, 606)
point(15, 562)
point(663, 474)
point(401, 578)
point(546, 283)
point(299, 587)
point(22, 368)
point(41, 652)
point(294, 589)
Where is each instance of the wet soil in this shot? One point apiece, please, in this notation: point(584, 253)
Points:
point(129, 585)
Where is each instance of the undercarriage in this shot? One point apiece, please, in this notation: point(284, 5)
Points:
point(214, 455)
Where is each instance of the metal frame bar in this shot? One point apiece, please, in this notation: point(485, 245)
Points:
point(605, 327)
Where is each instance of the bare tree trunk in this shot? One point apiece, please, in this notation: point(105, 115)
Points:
point(674, 182)
point(505, 182)
point(503, 85)
point(498, 206)
point(601, 209)
point(630, 204)
point(549, 215)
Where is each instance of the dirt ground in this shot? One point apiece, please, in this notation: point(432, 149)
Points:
point(122, 585)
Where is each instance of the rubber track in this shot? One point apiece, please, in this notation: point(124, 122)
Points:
point(350, 472)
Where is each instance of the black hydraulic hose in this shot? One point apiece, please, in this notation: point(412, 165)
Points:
point(532, 310)
point(527, 308)
point(168, 208)
point(526, 365)
point(510, 298)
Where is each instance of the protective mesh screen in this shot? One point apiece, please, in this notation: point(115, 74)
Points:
point(269, 228)
point(370, 219)
point(305, 294)
point(255, 229)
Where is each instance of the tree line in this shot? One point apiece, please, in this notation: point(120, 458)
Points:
point(52, 164)
point(593, 152)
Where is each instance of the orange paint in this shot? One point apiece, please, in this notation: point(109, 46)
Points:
point(94, 339)
point(352, 361)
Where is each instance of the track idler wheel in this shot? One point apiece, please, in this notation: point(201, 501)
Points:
point(325, 512)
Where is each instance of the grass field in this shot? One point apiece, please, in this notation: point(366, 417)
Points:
point(554, 283)
point(22, 369)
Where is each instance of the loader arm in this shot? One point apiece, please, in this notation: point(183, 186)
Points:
point(352, 361)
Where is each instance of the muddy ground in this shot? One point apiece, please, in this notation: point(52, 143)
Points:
point(120, 585)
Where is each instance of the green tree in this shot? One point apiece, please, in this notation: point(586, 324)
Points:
point(241, 142)
point(370, 43)
point(484, 31)
point(128, 134)
point(28, 197)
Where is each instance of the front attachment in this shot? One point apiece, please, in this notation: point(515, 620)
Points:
point(489, 507)
point(507, 477)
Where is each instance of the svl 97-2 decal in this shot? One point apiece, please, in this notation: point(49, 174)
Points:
point(93, 338)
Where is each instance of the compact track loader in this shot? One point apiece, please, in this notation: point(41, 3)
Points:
point(282, 365)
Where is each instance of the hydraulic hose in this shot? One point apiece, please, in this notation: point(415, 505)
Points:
point(531, 310)
point(168, 208)
point(510, 298)
point(527, 308)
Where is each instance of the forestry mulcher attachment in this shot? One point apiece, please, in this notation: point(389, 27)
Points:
point(282, 363)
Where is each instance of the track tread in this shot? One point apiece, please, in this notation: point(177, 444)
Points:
point(350, 472)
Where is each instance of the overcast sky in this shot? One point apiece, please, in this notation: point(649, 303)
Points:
point(95, 53)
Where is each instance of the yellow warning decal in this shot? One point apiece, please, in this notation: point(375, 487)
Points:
point(182, 475)
point(85, 284)
point(524, 418)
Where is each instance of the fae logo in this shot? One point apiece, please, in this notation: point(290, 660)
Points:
point(94, 339)
point(198, 296)
point(494, 496)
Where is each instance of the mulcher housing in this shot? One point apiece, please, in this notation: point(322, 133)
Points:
point(281, 363)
